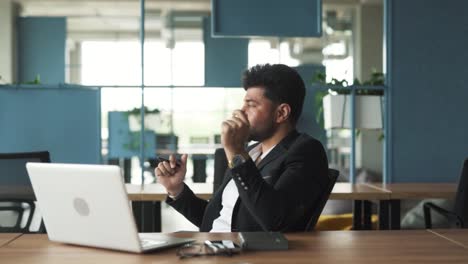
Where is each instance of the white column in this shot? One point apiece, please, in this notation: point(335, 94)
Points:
point(73, 74)
point(8, 13)
point(369, 56)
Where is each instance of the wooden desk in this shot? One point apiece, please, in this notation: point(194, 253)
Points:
point(458, 236)
point(363, 247)
point(5, 238)
point(390, 209)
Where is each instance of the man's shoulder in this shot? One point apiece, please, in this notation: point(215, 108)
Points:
point(304, 138)
point(305, 144)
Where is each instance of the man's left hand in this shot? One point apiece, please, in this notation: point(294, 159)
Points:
point(235, 133)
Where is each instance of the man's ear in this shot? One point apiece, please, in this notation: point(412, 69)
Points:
point(283, 113)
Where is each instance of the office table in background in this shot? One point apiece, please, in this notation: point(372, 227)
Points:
point(363, 247)
point(153, 194)
point(390, 209)
point(361, 195)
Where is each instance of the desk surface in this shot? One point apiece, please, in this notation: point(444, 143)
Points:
point(341, 191)
point(459, 236)
point(418, 190)
point(318, 247)
point(7, 237)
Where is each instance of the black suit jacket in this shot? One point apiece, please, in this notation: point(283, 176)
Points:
point(278, 195)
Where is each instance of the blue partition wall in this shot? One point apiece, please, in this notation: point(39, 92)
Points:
point(278, 18)
point(307, 122)
point(225, 59)
point(124, 143)
point(41, 49)
point(427, 67)
point(65, 121)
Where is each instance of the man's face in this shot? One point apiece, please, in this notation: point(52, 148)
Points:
point(261, 113)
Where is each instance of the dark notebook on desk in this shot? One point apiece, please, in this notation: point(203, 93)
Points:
point(263, 241)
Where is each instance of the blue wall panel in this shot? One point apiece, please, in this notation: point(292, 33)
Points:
point(427, 66)
point(294, 18)
point(41, 49)
point(124, 143)
point(307, 122)
point(65, 121)
point(225, 59)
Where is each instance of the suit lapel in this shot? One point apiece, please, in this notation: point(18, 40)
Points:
point(274, 153)
point(279, 149)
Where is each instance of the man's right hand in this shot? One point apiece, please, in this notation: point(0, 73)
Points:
point(171, 176)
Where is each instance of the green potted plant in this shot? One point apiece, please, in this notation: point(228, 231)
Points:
point(152, 118)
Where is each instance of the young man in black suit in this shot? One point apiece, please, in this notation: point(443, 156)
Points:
point(272, 185)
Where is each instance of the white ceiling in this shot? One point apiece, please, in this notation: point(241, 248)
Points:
point(120, 19)
point(112, 17)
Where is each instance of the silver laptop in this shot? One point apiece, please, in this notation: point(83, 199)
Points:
point(88, 205)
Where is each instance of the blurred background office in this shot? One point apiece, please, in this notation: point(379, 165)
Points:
point(73, 84)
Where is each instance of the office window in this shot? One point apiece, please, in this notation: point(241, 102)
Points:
point(192, 116)
point(118, 63)
point(263, 51)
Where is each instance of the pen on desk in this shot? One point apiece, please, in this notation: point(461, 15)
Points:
point(160, 159)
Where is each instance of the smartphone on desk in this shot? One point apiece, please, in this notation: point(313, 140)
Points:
point(161, 159)
point(222, 247)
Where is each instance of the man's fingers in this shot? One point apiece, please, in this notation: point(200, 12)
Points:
point(232, 124)
point(159, 172)
point(240, 115)
point(227, 127)
point(183, 160)
point(165, 168)
point(168, 168)
point(239, 122)
point(172, 161)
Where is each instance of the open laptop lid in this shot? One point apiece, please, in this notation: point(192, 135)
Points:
point(85, 205)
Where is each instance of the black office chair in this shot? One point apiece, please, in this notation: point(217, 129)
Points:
point(458, 218)
point(16, 192)
point(220, 167)
point(318, 207)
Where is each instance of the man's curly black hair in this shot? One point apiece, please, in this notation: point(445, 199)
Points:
point(282, 84)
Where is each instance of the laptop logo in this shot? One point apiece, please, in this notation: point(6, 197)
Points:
point(81, 206)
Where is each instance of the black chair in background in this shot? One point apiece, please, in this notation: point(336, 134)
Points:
point(457, 218)
point(318, 207)
point(15, 188)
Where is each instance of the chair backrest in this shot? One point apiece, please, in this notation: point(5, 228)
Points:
point(16, 186)
point(318, 207)
point(13, 167)
point(461, 198)
point(220, 167)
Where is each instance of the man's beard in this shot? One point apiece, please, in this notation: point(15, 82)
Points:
point(260, 135)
